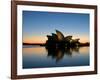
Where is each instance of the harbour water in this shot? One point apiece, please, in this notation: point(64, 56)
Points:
point(40, 57)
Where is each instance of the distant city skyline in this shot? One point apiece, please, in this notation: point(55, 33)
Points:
point(37, 24)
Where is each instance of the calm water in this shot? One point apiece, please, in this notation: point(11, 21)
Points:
point(39, 57)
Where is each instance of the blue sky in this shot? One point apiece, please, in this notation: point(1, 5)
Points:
point(36, 25)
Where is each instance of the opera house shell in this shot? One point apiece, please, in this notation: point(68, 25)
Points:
point(58, 40)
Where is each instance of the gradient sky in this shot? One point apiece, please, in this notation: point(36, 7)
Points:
point(38, 24)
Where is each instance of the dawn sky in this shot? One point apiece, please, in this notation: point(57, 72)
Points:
point(36, 25)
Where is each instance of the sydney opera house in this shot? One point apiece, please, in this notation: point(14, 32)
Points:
point(59, 41)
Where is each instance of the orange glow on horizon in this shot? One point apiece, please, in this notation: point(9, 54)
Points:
point(83, 39)
point(42, 39)
point(35, 39)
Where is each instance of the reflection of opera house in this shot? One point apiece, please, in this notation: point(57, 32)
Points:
point(58, 54)
point(59, 41)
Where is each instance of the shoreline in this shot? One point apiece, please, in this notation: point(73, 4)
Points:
point(43, 44)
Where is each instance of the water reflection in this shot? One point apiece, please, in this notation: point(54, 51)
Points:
point(58, 53)
point(40, 57)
